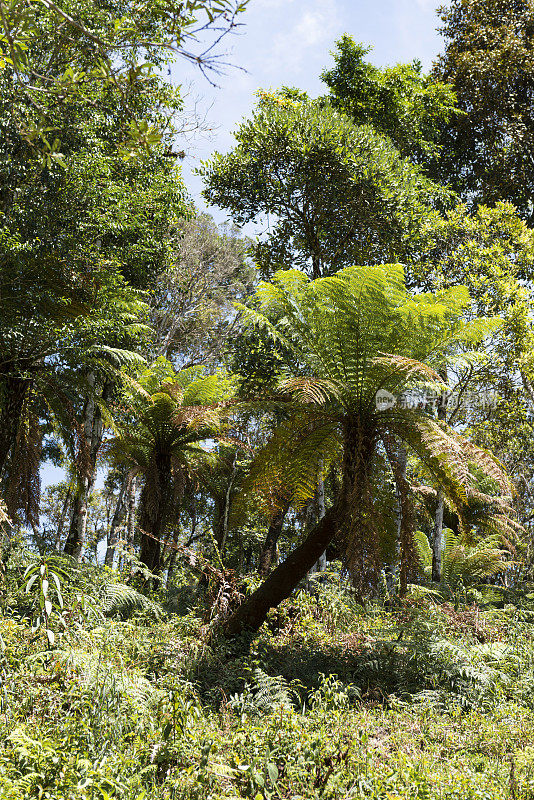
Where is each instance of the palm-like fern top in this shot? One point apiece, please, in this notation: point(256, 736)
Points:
point(359, 331)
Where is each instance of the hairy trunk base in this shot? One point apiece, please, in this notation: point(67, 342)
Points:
point(281, 582)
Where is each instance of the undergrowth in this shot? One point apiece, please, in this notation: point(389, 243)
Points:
point(129, 699)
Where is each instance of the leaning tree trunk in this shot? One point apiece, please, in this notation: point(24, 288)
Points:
point(13, 391)
point(93, 431)
point(348, 515)
point(278, 586)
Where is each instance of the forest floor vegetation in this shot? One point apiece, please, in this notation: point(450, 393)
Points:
point(138, 698)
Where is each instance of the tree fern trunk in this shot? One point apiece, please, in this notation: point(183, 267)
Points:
point(151, 529)
point(154, 511)
point(278, 586)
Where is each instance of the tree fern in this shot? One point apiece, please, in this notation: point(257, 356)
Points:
point(164, 445)
point(463, 564)
point(355, 334)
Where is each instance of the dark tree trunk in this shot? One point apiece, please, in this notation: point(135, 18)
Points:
point(268, 554)
point(154, 512)
point(360, 540)
point(151, 528)
point(13, 391)
point(278, 586)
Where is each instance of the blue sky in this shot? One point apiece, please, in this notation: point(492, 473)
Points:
point(288, 42)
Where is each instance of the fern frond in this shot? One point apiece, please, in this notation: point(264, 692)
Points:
point(402, 369)
point(423, 551)
point(311, 390)
point(271, 692)
point(120, 600)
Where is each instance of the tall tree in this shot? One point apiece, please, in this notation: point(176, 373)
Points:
point(489, 61)
point(335, 193)
point(192, 309)
point(490, 251)
point(57, 55)
point(400, 102)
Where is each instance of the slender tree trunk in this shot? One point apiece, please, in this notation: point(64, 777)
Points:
point(321, 511)
point(130, 519)
point(63, 517)
point(404, 548)
point(320, 564)
point(222, 527)
point(437, 539)
point(268, 553)
point(93, 430)
point(278, 586)
point(13, 391)
point(118, 519)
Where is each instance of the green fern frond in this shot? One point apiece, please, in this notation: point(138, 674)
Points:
point(271, 692)
point(120, 600)
point(423, 551)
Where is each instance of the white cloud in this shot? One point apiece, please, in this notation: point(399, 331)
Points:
point(270, 5)
point(317, 25)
